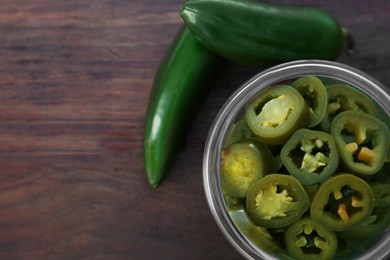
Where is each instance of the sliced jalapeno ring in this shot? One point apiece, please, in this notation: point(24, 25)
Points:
point(243, 163)
point(239, 131)
point(352, 247)
point(306, 239)
point(379, 219)
point(310, 156)
point(342, 202)
point(381, 194)
point(362, 141)
point(276, 200)
point(257, 235)
point(342, 97)
point(314, 92)
point(232, 202)
point(276, 113)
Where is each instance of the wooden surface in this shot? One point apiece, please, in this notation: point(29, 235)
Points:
point(74, 83)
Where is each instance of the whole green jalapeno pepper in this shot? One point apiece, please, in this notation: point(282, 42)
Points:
point(342, 202)
point(181, 82)
point(276, 200)
point(310, 156)
point(259, 35)
point(342, 97)
point(362, 141)
point(243, 163)
point(307, 240)
point(314, 92)
point(276, 113)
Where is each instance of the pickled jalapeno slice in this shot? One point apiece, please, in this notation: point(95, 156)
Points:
point(310, 156)
point(342, 97)
point(314, 92)
point(258, 235)
point(362, 141)
point(276, 200)
point(239, 131)
point(276, 113)
point(243, 163)
point(379, 219)
point(342, 202)
point(306, 240)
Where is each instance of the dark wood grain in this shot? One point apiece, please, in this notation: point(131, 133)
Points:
point(75, 77)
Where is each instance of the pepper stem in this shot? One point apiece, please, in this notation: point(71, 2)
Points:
point(349, 39)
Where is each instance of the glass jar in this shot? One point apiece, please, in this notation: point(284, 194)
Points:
point(235, 106)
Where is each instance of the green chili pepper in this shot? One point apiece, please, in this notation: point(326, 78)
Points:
point(276, 113)
point(379, 219)
point(314, 92)
point(306, 240)
point(342, 97)
point(181, 82)
point(276, 200)
point(310, 156)
point(362, 141)
point(243, 163)
point(342, 202)
point(259, 35)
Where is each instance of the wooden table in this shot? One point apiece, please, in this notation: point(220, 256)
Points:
point(75, 77)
